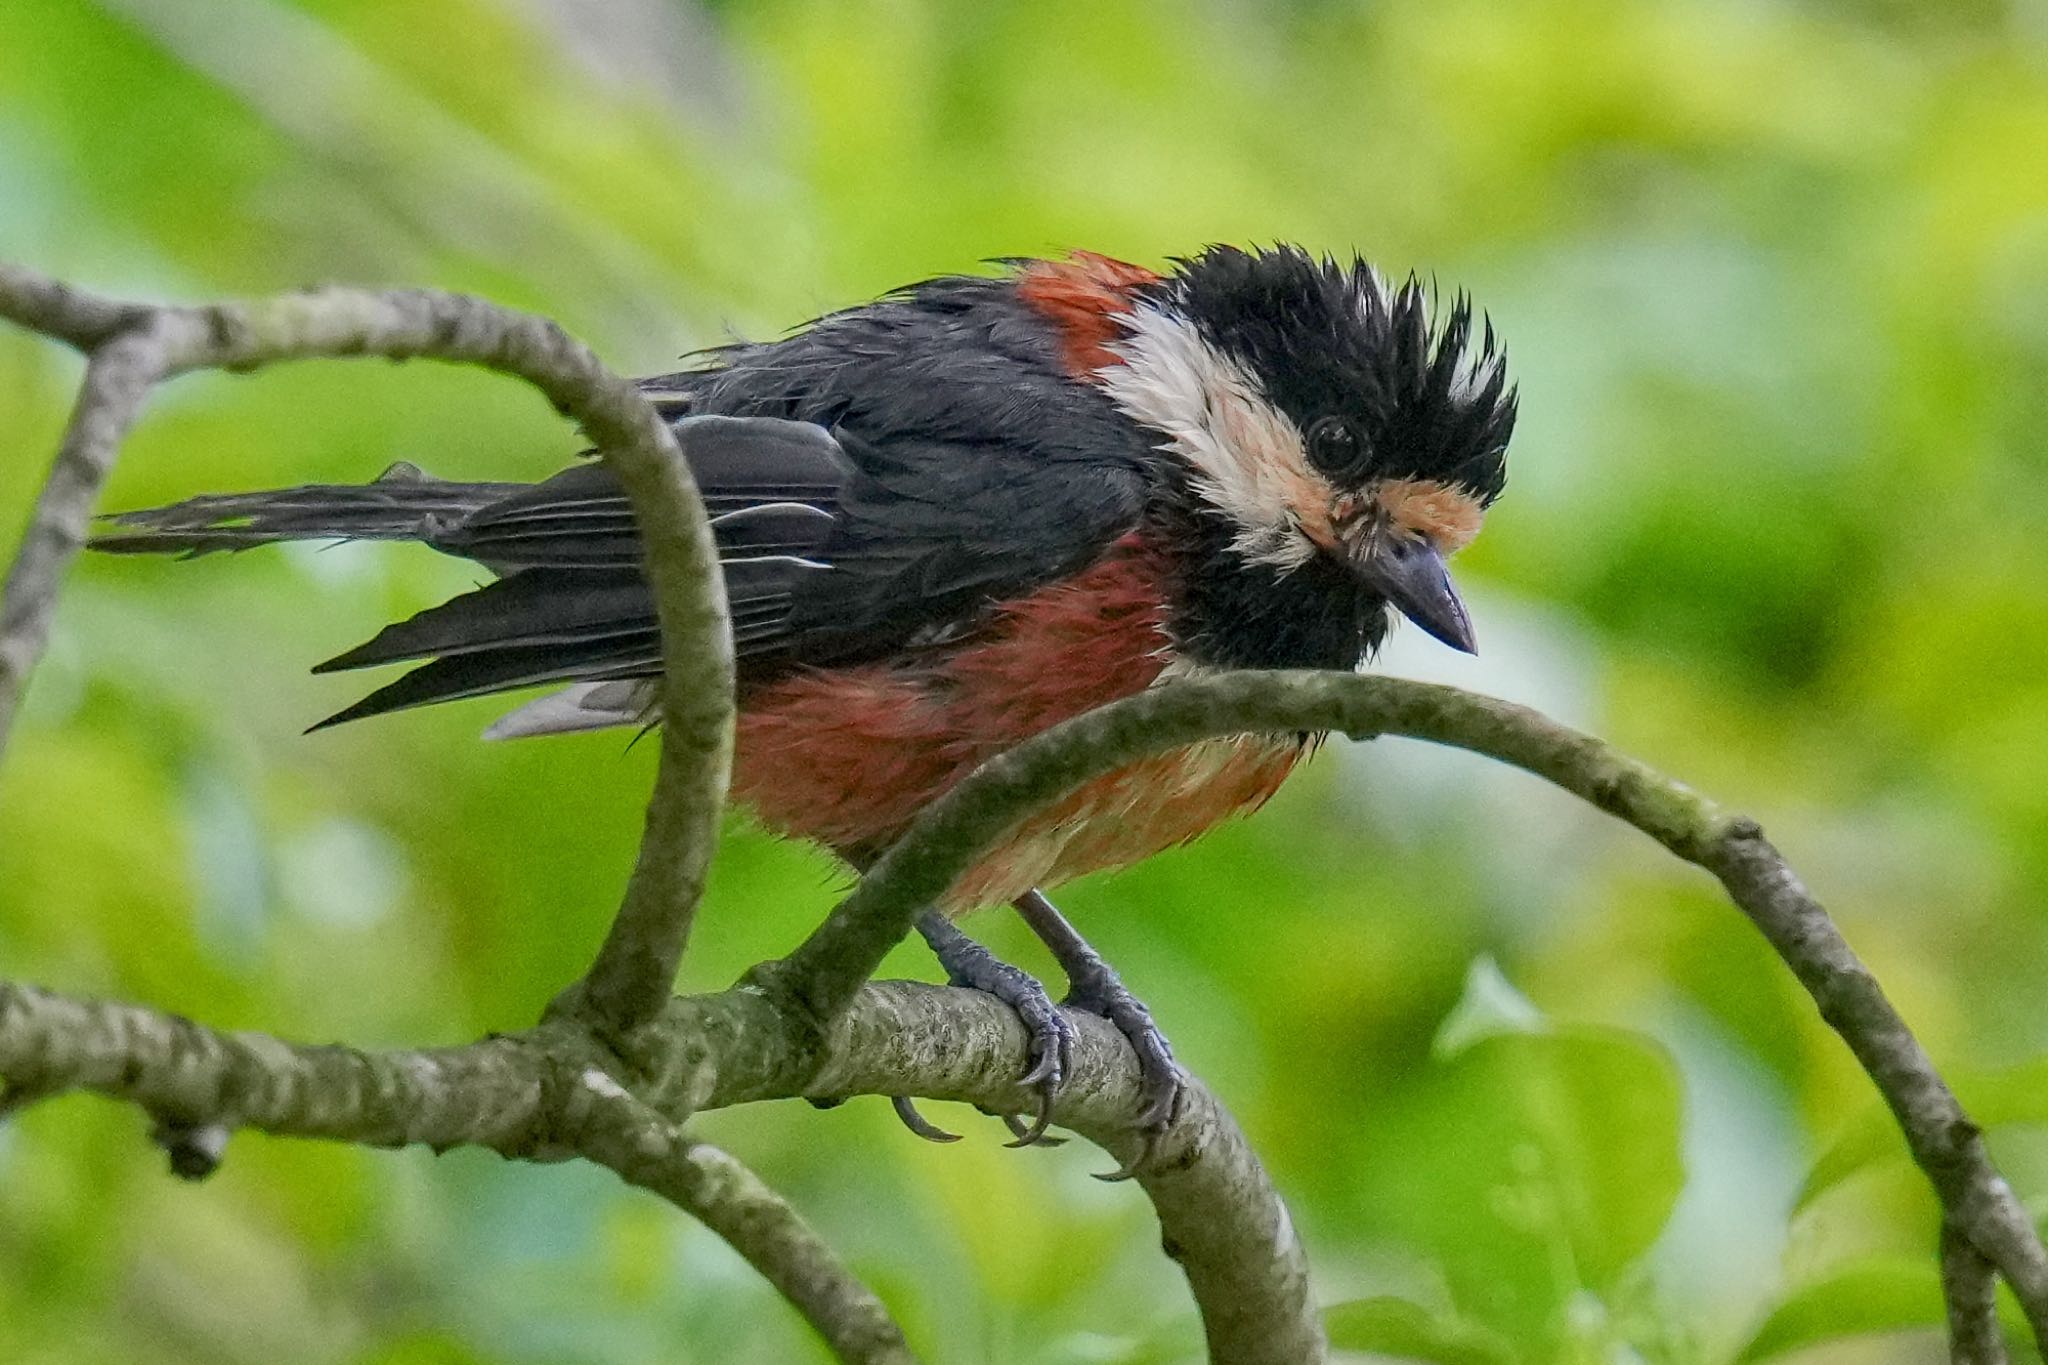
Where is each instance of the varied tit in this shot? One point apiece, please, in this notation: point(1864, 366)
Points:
point(965, 512)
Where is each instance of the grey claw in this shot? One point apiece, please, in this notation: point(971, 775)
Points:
point(1148, 1153)
point(1028, 1135)
point(917, 1123)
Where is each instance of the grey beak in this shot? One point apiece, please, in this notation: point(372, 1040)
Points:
point(1408, 571)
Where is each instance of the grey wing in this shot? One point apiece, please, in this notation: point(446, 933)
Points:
point(571, 604)
point(833, 549)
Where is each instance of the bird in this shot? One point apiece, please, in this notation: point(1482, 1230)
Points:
point(959, 514)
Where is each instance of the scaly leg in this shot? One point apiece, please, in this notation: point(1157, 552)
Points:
point(1094, 987)
point(969, 964)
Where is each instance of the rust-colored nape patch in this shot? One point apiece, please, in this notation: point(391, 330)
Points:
point(1447, 516)
point(1083, 295)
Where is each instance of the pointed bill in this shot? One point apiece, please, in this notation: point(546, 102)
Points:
point(1409, 572)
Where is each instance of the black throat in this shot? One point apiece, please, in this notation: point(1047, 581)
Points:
point(1230, 612)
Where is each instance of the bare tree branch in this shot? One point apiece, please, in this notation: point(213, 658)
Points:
point(539, 1095)
point(527, 1095)
point(810, 1024)
point(117, 379)
point(1978, 1204)
point(82, 319)
point(475, 1094)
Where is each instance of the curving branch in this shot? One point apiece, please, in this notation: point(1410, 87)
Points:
point(118, 378)
point(1214, 1190)
point(131, 347)
point(615, 1130)
point(539, 1095)
point(944, 841)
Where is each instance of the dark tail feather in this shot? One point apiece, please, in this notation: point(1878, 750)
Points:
point(534, 607)
point(484, 670)
point(535, 626)
point(402, 504)
point(571, 605)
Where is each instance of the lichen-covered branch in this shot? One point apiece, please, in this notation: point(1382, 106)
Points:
point(132, 346)
point(1979, 1205)
point(945, 840)
point(617, 1066)
point(539, 1094)
point(196, 1081)
point(530, 1094)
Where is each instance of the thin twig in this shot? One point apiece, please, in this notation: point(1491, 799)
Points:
point(78, 317)
point(645, 1149)
point(117, 380)
point(1969, 1286)
point(951, 833)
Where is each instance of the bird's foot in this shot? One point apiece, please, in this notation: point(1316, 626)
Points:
point(1050, 1060)
point(1095, 988)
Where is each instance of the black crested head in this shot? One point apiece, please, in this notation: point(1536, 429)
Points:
point(1332, 440)
point(1379, 385)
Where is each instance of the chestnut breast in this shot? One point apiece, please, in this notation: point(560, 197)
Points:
point(849, 756)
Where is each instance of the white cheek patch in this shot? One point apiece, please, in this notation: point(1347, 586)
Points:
point(1247, 457)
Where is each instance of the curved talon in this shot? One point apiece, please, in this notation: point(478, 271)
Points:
point(1094, 987)
point(1035, 1133)
point(1053, 1043)
point(1163, 1093)
point(1151, 1134)
point(906, 1110)
point(1048, 1074)
point(1150, 1137)
point(1162, 1087)
point(1161, 1084)
point(1024, 1133)
point(1147, 1150)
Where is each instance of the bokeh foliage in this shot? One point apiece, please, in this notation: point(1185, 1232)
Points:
point(1775, 280)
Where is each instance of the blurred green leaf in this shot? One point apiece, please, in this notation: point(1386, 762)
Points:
point(1395, 1327)
point(1564, 1168)
point(1489, 1007)
point(1879, 1296)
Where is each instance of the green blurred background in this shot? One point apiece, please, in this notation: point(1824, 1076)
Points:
point(1774, 277)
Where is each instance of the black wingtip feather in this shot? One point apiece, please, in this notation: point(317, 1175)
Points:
point(629, 654)
point(534, 607)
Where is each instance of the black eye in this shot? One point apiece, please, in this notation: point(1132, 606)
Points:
point(1334, 447)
